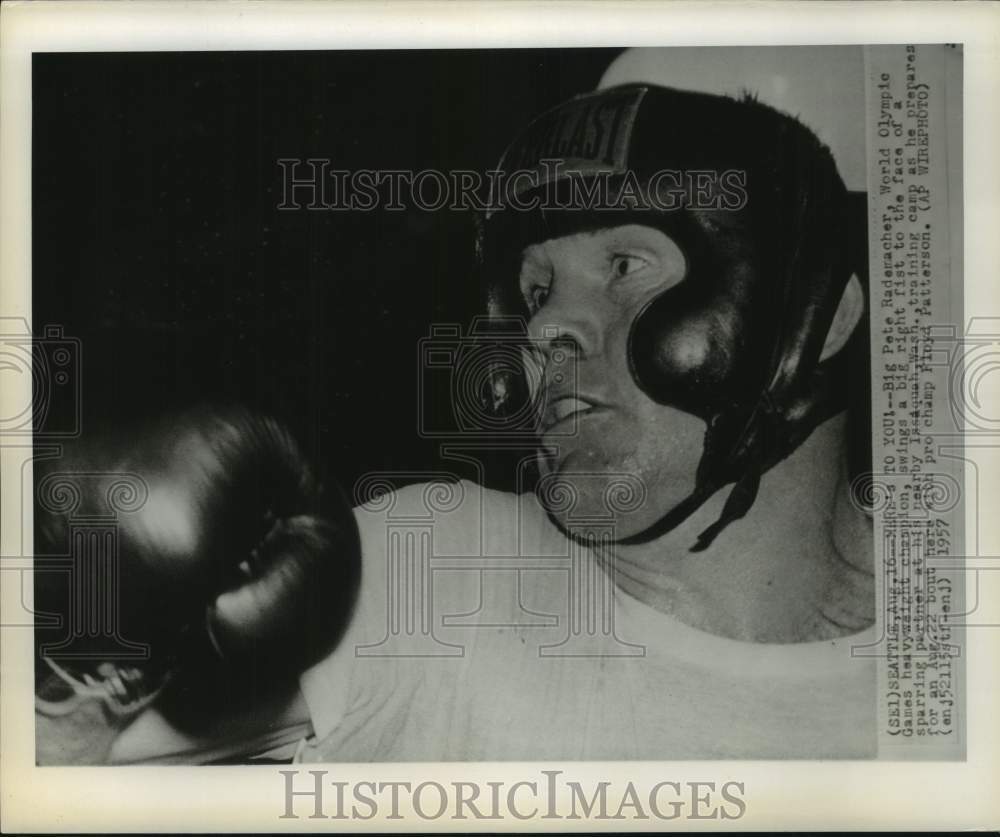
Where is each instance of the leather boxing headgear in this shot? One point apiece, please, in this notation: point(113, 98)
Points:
point(755, 202)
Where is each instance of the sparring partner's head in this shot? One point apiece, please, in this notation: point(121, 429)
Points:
point(679, 260)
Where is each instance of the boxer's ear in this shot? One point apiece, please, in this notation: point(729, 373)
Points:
point(845, 320)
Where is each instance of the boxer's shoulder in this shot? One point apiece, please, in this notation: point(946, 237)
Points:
point(459, 516)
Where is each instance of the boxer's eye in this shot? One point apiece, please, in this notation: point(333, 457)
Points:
point(622, 265)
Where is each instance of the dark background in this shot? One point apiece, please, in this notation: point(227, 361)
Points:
point(159, 245)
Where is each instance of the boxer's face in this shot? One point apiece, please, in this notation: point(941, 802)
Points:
point(597, 426)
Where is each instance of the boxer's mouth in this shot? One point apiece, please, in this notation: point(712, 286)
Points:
point(566, 407)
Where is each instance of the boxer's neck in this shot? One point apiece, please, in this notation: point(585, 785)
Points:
point(797, 568)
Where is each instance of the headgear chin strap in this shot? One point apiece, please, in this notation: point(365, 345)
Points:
point(764, 232)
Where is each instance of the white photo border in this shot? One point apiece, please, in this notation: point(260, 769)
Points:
point(778, 795)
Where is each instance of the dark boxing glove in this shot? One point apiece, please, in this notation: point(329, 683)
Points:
point(222, 569)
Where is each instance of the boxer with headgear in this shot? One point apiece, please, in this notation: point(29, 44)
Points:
point(740, 339)
point(685, 273)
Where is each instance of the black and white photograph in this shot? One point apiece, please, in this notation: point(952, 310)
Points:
point(529, 405)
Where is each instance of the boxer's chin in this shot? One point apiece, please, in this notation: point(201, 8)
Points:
point(582, 494)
